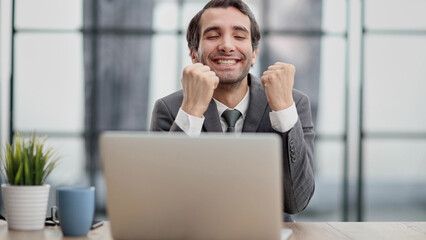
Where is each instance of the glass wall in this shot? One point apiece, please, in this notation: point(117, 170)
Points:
point(82, 67)
point(48, 82)
point(394, 112)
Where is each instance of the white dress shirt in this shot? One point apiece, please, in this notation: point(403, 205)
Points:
point(281, 121)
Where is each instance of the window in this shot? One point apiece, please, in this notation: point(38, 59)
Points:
point(81, 67)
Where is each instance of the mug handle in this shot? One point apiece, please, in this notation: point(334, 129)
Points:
point(54, 212)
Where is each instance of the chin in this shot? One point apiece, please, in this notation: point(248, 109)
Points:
point(230, 80)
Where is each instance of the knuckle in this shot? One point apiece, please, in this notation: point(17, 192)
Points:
point(206, 68)
point(216, 79)
point(208, 75)
point(275, 74)
point(186, 70)
point(265, 78)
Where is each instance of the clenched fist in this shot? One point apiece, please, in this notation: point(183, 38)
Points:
point(198, 85)
point(278, 82)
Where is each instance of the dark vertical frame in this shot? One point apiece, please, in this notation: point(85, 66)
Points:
point(265, 55)
point(179, 52)
point(12, 76)
point(91, 136)
point(345, 197)
point(360, 175)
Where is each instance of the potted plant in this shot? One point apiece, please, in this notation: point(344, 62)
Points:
point(26, 165)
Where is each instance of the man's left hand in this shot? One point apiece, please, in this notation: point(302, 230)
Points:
point(278, 82)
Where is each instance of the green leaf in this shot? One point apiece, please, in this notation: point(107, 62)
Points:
point(9, 166)
point(18, 178)
point(27, 178)
point(37, 171)
point(27, 161)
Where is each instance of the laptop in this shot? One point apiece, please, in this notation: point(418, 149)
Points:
point(171, 186)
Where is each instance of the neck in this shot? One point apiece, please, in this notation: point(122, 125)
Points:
point(231, 94)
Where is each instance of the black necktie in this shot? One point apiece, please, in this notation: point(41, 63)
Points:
point(231, 117)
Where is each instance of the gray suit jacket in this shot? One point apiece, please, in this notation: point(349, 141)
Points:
point(298, 142)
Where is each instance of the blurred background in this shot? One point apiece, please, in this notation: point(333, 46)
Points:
point(71, 69)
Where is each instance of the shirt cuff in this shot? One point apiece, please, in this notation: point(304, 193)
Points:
point(191, 125)
point(284, 120)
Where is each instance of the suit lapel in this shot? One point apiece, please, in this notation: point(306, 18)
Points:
point(257, 105)
point(212, 120)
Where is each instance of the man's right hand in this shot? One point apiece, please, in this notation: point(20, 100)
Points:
point(198, 85)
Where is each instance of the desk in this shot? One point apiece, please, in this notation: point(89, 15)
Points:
point(301, 231)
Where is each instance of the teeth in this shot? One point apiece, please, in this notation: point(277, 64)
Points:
point(226, 62)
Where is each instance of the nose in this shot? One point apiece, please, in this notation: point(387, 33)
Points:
point(226, 45)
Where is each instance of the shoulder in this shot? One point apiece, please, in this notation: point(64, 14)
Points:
point(170, 103)
point(299, 96)
point(173, 98)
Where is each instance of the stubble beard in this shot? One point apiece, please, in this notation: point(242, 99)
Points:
point(228, 80)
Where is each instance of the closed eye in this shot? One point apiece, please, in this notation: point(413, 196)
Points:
point(212, 37)
point(240, 37)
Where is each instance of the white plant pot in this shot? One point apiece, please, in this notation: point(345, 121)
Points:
point(25, 206)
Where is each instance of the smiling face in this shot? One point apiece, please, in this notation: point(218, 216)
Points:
point(225, 44)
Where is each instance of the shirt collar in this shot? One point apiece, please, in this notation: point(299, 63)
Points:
point(242, 106)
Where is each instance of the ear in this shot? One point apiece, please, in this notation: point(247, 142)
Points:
point(253, 59)
point(194, 56)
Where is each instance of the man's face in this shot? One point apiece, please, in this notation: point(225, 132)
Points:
point(225, 44)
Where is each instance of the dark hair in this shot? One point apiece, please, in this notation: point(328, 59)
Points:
point(193, 33)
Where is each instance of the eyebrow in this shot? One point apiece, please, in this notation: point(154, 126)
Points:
point(209, 29)
point(240, 28)
point(216, 28)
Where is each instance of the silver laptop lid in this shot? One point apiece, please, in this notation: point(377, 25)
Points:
point(171, 186)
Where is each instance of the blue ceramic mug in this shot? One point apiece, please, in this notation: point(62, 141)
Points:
point(76, 210)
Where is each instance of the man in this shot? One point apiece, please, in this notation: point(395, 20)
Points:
point(223, 39)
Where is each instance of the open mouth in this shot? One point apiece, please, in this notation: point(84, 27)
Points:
point(226, 62)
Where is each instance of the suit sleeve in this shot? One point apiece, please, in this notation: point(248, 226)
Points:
point(163, 119)
point(298, 145)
